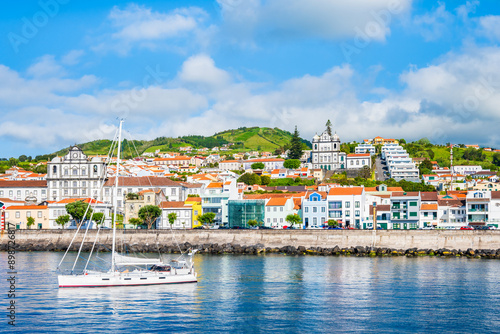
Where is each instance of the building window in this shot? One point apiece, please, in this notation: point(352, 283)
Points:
point(275, 209)
point(173, 192)
point(281, 209)
point(269, 220)
point(323, 209)
point(356, 204)
point(1, 192)
point(413, 203)
point(348, 213)
point(18, 214)
point(28, 213)
point(306, 209)
point(54, 170)
point(413, 214)
point(347, 205)
point(84, 184)
point(315, 209)
point(95, 169)
point(39, 214)
point(75, 171)
point(356, 213)
point(315, 221)
point(75, 184)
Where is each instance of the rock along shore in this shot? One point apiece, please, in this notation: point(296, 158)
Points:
point(472, 244)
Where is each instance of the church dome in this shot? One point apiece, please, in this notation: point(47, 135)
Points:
point(316, 137)
point(336, 137)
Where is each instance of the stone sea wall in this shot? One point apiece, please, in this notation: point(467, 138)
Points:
point(475, 243)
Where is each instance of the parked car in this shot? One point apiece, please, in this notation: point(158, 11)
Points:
point(481, 227)
point(466, 228)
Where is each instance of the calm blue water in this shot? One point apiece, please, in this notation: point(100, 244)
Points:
point(259, 294)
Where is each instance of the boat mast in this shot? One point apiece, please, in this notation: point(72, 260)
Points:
point(115, 204)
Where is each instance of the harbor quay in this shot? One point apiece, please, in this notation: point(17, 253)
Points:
point(475, 243)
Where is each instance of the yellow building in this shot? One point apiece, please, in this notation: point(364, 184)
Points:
point(197, 210)
point(17, 216)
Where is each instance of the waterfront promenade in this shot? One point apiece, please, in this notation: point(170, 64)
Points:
point(141, 239)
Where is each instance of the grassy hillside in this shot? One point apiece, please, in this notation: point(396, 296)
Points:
point(266, 139)
point(245, 139)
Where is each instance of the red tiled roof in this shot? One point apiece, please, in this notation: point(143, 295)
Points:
point(430, 207)
point(24, 184)
point(353, 155)
point(174, 204)
point(142, 181)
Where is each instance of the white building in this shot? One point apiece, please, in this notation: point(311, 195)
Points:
point(276, 211)
point(269, 164)
point(20, 190)
point(75, 176)
point(365, 148)
point(356, 161)
point(466, 170)
point(347, 204)
point(183, 212)
point(59, 209)
point(326, 152)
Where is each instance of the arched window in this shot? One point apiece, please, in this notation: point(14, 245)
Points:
point(84, 170)
point(66, 171)
point(357, 162)
point(54, 170)
point(95, 168)
point(75, 171)
point(315, 146)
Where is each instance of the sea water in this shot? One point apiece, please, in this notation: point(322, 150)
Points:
point(261, 294)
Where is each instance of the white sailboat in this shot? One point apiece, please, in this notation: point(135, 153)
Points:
point(127, 270)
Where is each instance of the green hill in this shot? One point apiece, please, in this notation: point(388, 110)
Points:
point(244, 139)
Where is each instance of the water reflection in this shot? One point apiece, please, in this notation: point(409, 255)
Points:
point(271, 293)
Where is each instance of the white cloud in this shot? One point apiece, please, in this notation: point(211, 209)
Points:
point(201, 70)
point(453, 99)
point(72, 57)
point(325, 19)
point(140, 26)
point(435, 24)
point(489, 26)
point(45, 66)
point(464, 10)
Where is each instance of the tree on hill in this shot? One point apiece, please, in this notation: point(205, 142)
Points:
point(425, 167)
point(295, 146)
point(62, 220)
point(496, 159)
point(430, 153)
point(79, 211)
point(149, 214)
point(258, 165)
point(250, 179)
point(291, 163)
point(265, 180)
point(329, 128)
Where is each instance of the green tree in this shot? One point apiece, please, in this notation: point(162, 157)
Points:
point(30, 221)
point(430, 153)
point(98, 218)
point(132, 196)
point(402, 141)
point(425, 167)
point(329, 128)
point(250, 179)
point(258, 165)
point(293, 219)
point(23, 158)
point(265, 180)
point(172, 216)
point(333, 223)
point(79, 211)
point(252, 222)
point(148, 214)
point(291, 163)
point(207, 218)
point(295, 146)
point(135, 221)
point(62, 220)
point(496, 159)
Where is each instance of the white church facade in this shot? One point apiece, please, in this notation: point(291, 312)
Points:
point(326, 152)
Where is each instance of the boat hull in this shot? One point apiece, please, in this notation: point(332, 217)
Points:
point(91, 280)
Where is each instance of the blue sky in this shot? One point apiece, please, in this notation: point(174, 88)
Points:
point(394, 68)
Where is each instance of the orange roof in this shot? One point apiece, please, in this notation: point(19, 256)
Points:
point(297, 202)
point(429, 207)
point(173, 204)
point(27, 207)
point(358, 155)
point(215, 185)
point(227, 183)
point(71, 200)
point(193, 199)
point(370, 188)
point(394, 189)
point(277, 202)
point(231, 161)
point(342, 191)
